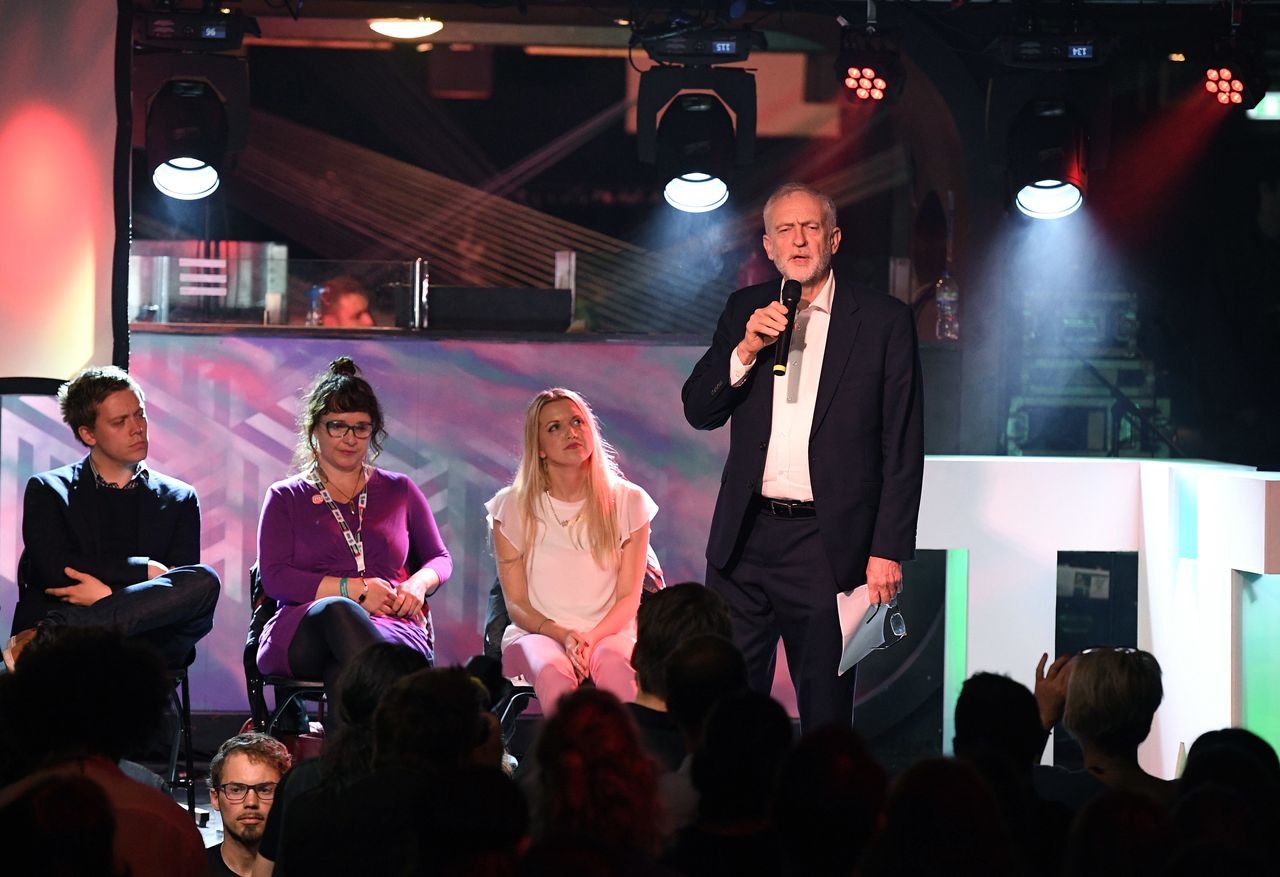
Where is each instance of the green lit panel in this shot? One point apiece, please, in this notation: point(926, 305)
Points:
point(1259, 695)
point(955, 660)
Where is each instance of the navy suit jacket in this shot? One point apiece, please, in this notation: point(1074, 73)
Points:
point(61, 527)
point(866, 445)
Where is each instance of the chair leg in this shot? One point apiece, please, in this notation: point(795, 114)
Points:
point(295, 695)
point(186, 745)
point(175, 700)
point(180, 697)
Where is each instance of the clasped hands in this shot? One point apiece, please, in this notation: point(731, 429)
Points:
point(579, 649)
point(384, 598)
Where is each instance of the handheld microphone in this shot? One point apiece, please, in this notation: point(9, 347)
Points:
point(790, 298)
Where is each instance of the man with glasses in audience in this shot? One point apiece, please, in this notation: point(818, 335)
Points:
point(108, 541)
point(242, 785)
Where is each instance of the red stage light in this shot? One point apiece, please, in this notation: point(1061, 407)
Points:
point(868, 66)
point(1223, 84)
point(865, 84)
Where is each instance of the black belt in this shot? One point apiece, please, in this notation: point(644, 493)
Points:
point(786, 508)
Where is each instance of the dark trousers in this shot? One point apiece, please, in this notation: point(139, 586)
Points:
point(170, 612)
point(779, 583)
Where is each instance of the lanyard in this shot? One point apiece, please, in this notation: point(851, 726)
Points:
point(354, 541)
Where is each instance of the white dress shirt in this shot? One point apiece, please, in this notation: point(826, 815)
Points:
point(786, 466)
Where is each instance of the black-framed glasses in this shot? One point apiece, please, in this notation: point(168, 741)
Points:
point(339, 428)
point(236, 792)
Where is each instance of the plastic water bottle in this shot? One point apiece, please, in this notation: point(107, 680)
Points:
point(314, 317)
point(946, 292)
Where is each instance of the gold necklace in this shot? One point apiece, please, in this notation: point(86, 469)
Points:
point(552, 509)
point(350, 501)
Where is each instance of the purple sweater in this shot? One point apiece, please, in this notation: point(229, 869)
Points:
point(299, 543)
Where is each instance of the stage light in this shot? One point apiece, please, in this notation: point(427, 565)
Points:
point(406, 28)
point(696, 193)
point(867, 65)
point(868, 75)
point(696, 147)
point(865, 83)
point(1222, 83)
point(186, 139)
point(191, 117)
point(1234, 75)
point(1048, 168)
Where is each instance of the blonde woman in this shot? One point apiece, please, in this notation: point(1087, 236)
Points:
point(571, 536)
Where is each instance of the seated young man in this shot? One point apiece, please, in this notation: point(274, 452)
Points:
point(242, 787)
point(108, 542)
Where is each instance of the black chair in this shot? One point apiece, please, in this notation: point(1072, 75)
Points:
point(33, 603)
point(180, 698)
point(289, 692)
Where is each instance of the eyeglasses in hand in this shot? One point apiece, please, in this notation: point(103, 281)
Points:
point(895, 624)
point(236, 792)
point(339, 428)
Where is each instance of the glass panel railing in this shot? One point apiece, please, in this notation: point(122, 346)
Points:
point(249, 283)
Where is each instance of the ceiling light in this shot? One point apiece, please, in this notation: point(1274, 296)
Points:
point(867, 68)
point(406, 28)
point(696, 147)
point(1048, 168)
point(186, 139)
point(696, 193)
point(185, 178)
point(1235, 74)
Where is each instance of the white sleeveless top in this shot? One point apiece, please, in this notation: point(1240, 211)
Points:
point(565, 584)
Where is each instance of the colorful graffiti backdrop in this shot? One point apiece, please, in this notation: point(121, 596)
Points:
point(223, 410)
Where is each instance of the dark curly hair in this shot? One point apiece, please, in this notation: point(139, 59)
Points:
point(337, 390)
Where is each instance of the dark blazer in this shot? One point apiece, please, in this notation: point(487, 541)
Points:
point(866, 446)
point(60, 528)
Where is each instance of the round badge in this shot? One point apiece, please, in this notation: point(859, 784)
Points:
point(317, 499)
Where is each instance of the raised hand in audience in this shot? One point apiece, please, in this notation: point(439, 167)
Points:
point(1051, 688)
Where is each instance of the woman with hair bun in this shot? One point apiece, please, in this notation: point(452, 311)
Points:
point(350, 551)
point(571, 536)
